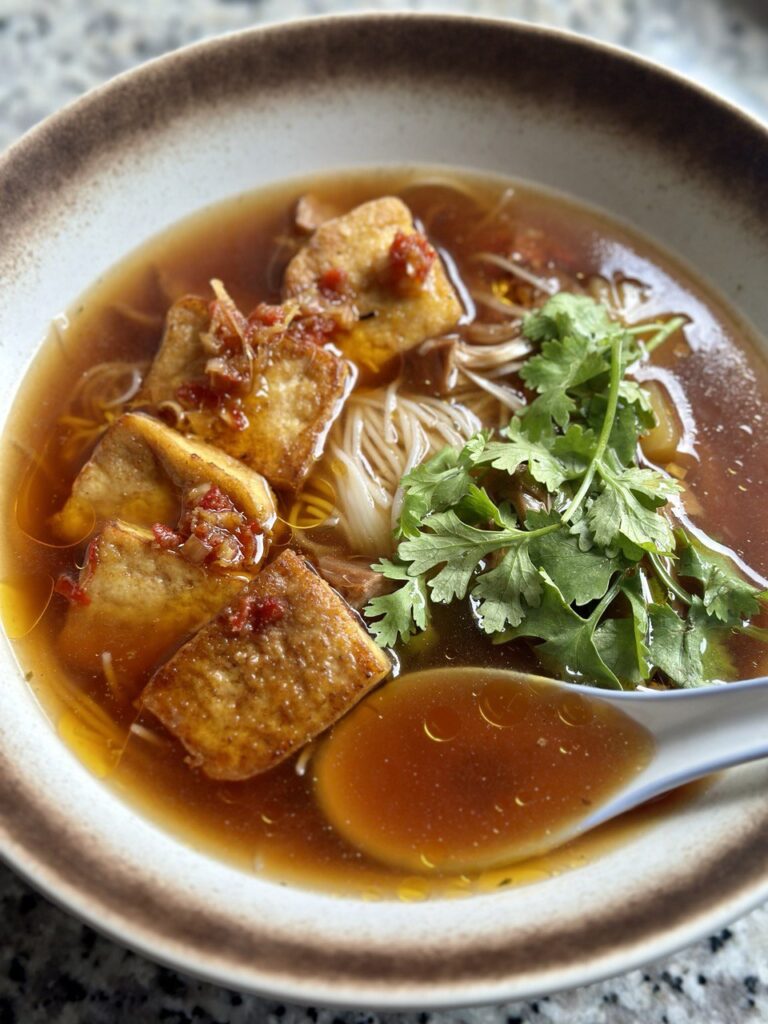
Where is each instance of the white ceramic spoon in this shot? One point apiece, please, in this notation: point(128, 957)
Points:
point(696, 732)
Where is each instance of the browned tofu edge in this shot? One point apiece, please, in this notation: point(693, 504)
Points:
point(166, 698)
point(285, 464)
point(180, 355)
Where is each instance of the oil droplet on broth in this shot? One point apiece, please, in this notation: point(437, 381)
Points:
point(575, 710)
point(442, 724)
point(451, 775)
point(501, 704)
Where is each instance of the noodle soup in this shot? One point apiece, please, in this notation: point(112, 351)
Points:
point(504, 251)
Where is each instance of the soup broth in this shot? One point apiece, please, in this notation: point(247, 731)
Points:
point(273, 823)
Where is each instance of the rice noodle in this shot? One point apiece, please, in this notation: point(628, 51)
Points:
point(549, 286)
point(147, 735)
point(152, 321)
point(480, 333)
point(482, 404)
point(381, 435)
point(447, 182)
point(502, 306)
point(108, 668)
point(494, 360)
point(100, 396)
point(625, 297)
point(496, 210)
point(506, 396)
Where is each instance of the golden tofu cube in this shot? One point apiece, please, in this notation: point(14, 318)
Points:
point(136, 602)
point(280, 665)
point(137, 474)
point(297, 390)
point(358, 243)
point(181, 357)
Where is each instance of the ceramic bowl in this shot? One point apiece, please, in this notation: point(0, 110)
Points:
point(228, 116)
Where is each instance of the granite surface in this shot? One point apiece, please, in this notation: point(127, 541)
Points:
point(54, 969)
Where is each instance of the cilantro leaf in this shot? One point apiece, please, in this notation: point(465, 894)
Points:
point(580, 576)
point(476, 507)
point(632, 589)
point(403, 612)
point(689, 650)
point(519, 450)
point(568, 315)
point(575, 447)
point(614, 640)
point(436, 484)
point(537, 417)
point(727, 595)
point(633, 394)
point(622, 642)
point(568, 639)
point(446, 540)
point(626, 427)
point(618, 515)
point(562, 365)
point(500, 593)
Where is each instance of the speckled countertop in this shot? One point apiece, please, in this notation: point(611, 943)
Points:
point(54, 969)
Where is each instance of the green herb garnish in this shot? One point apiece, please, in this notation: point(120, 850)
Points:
point(554, 531)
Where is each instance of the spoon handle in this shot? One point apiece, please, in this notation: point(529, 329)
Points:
point(697, 732)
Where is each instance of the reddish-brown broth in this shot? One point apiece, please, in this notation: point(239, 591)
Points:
point(273, 821)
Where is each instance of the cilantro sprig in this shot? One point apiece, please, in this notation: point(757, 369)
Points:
point(554, 531)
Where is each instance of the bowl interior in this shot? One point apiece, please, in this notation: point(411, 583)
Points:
point(256, 108)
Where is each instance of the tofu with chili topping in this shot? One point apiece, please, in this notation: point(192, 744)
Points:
point(139, 471)
point(272, 671)
point(374, 259)
point(181, 356)
point(135, 600)
point(263, 388)
point(298, 391)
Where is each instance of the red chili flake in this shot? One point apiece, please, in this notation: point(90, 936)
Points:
point(227, 323)
point(410, 261)
point(216, 501)
point(266, 612)
point(247, 537)
point(252, 614)
point(232, 415)
point(91, 558)
point(265, 315)
point(316, 328)
point(166, 538)
point(224, 375)
point(73, 592)
point(334, 284)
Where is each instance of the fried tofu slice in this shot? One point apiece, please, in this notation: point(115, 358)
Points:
point(180, 357)
point(296, 391)
point(276, 668)
point(140, 469)
point(135, 601)
point(359, 244)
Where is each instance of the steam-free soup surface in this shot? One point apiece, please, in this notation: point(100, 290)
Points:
point(273, 822)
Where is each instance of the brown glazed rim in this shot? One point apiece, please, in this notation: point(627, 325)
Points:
point(707, 135)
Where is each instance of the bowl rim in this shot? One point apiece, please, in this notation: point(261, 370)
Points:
point(35, 866)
